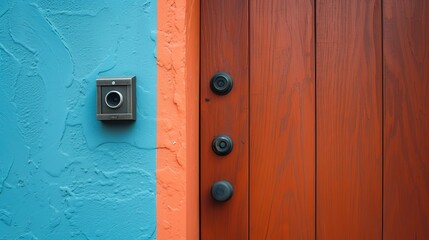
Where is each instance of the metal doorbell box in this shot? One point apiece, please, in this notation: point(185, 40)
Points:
point(116, 98)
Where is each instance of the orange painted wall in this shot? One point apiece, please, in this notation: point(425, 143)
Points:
point(178, 120)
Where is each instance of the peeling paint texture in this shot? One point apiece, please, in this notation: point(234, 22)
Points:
point(63, 174)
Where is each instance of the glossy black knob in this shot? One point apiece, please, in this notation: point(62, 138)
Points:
point(221, 83)
point(222, 145)
point(222, 191)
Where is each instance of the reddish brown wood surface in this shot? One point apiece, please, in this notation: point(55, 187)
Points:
point(224, 47)
point(349, 119)
point(282, 119)
point(406, 129)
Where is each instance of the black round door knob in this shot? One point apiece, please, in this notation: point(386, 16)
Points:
point(222, 191)
point(221, 83)
point(222, 145)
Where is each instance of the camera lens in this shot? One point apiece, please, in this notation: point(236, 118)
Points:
point(113, 99)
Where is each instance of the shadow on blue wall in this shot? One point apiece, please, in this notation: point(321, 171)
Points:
point(63, 174)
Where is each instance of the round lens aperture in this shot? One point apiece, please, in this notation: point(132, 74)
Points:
point(113, 99)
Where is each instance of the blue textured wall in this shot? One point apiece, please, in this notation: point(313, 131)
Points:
point(63, 174)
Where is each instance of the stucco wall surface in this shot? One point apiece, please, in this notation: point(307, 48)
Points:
point(63, 174)
point(178, 120)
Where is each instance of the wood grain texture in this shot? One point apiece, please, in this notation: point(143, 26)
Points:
point(349, 119)
point(282, 120)
point(224, 47)
point(406, 129)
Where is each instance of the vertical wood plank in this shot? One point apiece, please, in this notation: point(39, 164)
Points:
point(349, 119)
point(224, 47)
point(282, 120)
point(406, 129)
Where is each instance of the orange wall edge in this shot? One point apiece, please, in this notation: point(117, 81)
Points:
point(177, 170)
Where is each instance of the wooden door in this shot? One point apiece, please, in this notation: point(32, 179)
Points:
point(349, 119)
point(327, 114)
point(282, 115)
point(224, 47)
point(406, 119)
